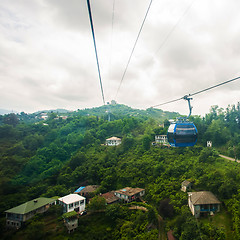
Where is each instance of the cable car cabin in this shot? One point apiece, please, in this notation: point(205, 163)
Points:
point(182, 134)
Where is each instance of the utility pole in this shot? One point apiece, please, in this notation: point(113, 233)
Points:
point(235, 154)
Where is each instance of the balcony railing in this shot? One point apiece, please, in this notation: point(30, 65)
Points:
point(208, 210)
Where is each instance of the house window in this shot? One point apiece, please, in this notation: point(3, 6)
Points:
point(81, 202)
point(71, 205)
point(76, 204)
point(204, 207)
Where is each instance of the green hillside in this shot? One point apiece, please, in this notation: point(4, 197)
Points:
point(54, 156)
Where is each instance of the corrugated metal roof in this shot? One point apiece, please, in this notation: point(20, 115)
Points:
point(130, 191)
point(90, 188)
point(31, 205)
point(79, 189)
point(71, 198)
point(204, 197)
point(110, 197)
point(185, 183)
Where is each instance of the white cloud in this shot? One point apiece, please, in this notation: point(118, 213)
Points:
point(47, 57)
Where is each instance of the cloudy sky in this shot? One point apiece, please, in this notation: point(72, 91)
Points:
point(47, 58)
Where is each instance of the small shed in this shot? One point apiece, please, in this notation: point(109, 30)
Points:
point(70, 220)
point(186, 185)
point(209, 143)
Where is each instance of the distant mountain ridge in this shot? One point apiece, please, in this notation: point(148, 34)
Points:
point(59, 110)
point(121, 109)
point(110, 109)
point(6, 111)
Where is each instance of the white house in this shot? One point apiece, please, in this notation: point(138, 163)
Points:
point(44, 117)
point(161, 139)
point(203, 203)
point(113, 141)
point(73, 202)
point(209, 143)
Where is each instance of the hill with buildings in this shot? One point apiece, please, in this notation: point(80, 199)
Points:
point(51, 155)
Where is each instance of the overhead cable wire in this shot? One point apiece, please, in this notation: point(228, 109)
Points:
point(95, 47)
point(220, 84)
point(201, 91)
point(174, 27)
point(113, 10)
point(124, 73)
point(167, 102)
point(110, 59)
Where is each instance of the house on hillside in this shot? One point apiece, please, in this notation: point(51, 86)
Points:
point(186, 185)
point(70, 220)
point(209, 143)
point(44, 116)
point(15, 217)
point(64, 117)
point(72, 202)
point(113, 141)
point(203, 203)
point(129, 194)
point(161, 139)
point(79, 190)
point(87, 191)
point(110, 197)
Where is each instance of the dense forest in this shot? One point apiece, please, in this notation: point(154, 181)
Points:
point(55, 155)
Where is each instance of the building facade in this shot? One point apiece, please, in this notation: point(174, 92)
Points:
point(110, 197)
point(70, 221)
point(129, 194)
point(86, 191)
point(161, 139)
point(186, 185)
point(113, 141)
point(15, 217)
point(203, 203)
point(72, 202)
point(209, 143)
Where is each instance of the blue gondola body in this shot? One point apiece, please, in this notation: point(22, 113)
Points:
point(182, 134)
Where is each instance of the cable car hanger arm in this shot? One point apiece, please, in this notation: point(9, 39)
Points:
point(186, 97)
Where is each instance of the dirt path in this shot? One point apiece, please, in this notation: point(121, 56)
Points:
point(229, 158)
point(161, 232)
point(138, 208)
